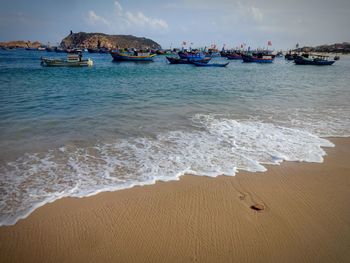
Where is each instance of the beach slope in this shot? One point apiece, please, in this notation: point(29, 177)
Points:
point(305, 218)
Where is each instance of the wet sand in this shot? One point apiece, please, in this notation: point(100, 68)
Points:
point(306, 218)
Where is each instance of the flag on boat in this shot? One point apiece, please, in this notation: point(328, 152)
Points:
point(269, 43)
point(184, 43)
point(297, 45)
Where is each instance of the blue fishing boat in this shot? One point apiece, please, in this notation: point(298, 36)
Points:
point(314, 60)
point(201, 64)
point(135, 56)
point(191, 56)
point(173, 60)
point(257, 58)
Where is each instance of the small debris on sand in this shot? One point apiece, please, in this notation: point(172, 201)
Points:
point(258, 207)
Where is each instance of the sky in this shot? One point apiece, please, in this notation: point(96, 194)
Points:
point(170, 23)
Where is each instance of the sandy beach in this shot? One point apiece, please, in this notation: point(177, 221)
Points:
point(306, 218)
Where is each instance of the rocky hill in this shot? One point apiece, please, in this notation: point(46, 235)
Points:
point(333, 48)
point(20, 44)
point(99, 40)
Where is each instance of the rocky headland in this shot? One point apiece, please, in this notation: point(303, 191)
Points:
point(100, 40)
point(20, 44)
point(343, 48)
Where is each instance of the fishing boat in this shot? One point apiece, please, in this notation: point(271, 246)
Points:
point(135, 56)
point(234, 56)
point(93, 50)
point(257, 58)
point(73, 60)
point(50, 49)
point(201, 64)
point(173, 60)
point(60, 50)
point(103, 50)
point(316, 60)
point(290, 56)
point(191, 56)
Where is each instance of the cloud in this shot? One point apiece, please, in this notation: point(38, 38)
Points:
point(118, 8)
point(95, 19)
point(138, 19)
point(256, 13)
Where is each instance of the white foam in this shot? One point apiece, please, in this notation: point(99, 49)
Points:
point(216, 146)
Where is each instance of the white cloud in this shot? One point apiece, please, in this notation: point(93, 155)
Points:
point(118, 8)
point(95, 19)
point(138, 19)
point(256, 13)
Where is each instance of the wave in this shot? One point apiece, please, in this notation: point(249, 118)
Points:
point(215, 146)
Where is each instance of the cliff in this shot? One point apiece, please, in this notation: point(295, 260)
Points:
point(95, 40)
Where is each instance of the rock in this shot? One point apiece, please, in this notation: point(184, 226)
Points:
point(20, 44)
point(258, 207)
point(333, 48)
point(99, 40)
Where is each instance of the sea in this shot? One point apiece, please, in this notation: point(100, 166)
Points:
point(76, 132)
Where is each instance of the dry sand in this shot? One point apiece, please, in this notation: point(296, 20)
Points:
point(199, 219)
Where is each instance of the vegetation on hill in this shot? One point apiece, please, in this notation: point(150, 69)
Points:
point(99, 40)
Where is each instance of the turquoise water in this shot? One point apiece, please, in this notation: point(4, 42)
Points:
point(79, 131)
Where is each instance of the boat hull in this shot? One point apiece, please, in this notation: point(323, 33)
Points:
point(234, 57)
point(200, 64)
point(173, 60)
point(63, 63)
point(251, 59)
point(301, 61)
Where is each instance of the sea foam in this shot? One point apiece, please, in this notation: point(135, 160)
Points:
point(215, 146)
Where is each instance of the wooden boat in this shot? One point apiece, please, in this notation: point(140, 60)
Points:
point(74, 50)
point(234, 56)
point(103, 51)
point(191, 56)
point(73, 60)
point(137, 56)
point(93, 50)
point(290, 56)
point(314, 60)
point(201, 64)
point(50, 49)
point(257, 58)
point(223, 53)
point(173, 60)
point(60, 50)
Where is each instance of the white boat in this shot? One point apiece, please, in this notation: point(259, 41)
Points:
point(73, 60)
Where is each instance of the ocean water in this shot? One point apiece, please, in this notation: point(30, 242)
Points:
point(80, 131)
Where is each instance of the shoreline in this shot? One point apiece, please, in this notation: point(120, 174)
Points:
point(305, 218)
point(172, 179)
